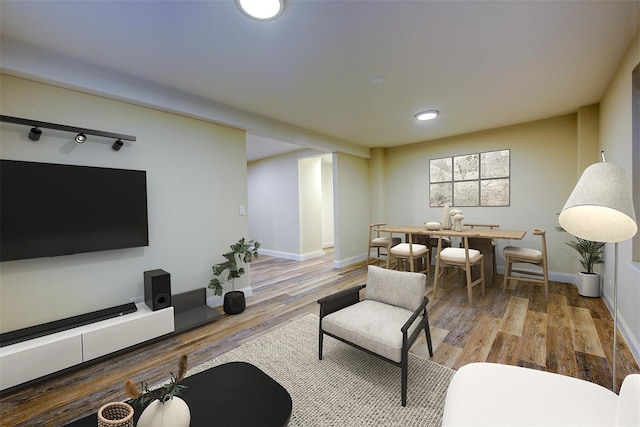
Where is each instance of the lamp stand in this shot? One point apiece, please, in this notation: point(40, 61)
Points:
point(615, 318)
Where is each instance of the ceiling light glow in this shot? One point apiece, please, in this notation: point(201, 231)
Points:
point(427, 115)
point(262, 10)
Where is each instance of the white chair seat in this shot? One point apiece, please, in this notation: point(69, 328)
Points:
point(402, 250)
point(457, 255)
point(383, 241)
point(523, 253)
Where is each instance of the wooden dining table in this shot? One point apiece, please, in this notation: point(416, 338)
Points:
point(479, 238)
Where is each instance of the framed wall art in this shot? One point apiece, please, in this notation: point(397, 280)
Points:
point(478, 179)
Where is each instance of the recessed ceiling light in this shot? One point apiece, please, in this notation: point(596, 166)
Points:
point(427, 115)
point(262, 10)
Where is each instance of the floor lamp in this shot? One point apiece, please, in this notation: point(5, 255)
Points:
point(600, 209)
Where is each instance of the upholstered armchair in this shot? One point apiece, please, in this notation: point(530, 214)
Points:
point(385, 322)
point(491, 394)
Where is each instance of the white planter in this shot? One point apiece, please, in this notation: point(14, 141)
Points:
point(589, 284)
point(172, 413)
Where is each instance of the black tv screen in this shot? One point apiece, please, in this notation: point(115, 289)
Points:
point(51, 209)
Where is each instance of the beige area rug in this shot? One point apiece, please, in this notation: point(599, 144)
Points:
point(348, 387)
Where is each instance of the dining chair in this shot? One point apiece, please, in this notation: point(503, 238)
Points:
point(493, 245)
point(518, 255)
point(463, 258)
point(379, 242)
point(409, 256)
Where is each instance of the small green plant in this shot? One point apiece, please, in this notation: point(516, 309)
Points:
point(163, 393)
point(241, 252)
point(590, 251)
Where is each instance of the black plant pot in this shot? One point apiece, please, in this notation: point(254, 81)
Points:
point(234, 302)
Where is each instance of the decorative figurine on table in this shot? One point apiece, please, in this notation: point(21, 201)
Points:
point(457, 222)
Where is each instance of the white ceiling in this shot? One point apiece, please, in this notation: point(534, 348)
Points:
point(483, 64)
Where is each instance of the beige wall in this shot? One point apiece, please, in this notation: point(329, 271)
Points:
point(543, 173)
point(351, 202)
point(196, 179)
point(310, 208)
point(588, 137)
point(615, 140)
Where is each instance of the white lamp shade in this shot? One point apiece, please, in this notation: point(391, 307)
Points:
point(600, 207)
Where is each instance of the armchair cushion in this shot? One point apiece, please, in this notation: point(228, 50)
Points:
point(407, 289)
point(489, 394)
point(383, 338)
point(628, 409)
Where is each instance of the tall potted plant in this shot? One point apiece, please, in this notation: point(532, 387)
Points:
point(242, 252)
point(590, 255)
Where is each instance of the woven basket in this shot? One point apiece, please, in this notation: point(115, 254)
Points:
point(115, 414)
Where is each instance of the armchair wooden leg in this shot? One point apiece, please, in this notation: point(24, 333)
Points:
point(405, 370)
point(427, 333)
point(320, 345)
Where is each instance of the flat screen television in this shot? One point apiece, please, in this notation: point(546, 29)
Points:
point(52, 209)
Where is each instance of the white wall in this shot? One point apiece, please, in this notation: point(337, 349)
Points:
point(273, 204)
point(615, 140)
point(196, 177)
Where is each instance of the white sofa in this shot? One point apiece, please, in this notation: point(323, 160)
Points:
point(490, 394)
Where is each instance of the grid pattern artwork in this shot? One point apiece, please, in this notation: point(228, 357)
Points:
point(479, 179)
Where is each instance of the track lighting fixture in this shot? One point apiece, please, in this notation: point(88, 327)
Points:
point(81, 133)
point(34, 134)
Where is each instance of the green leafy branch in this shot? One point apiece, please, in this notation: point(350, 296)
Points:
point(242, 251)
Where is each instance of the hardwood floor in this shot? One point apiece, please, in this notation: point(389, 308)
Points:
point(571, 335)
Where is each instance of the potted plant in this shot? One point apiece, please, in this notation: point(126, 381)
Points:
point(241, 252)
point(165, 409)
point(590, 255)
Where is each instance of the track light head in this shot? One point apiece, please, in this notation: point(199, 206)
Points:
point(117, 145)
point(80, 138)
point(34, 134)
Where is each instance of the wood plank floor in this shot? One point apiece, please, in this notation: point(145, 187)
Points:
point(571, 335)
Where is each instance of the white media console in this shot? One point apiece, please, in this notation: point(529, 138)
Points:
point(38, 357)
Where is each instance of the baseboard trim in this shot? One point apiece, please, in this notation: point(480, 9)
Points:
point(292, 256)
point(348, 261)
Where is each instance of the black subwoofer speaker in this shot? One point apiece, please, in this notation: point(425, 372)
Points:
point(157, 289)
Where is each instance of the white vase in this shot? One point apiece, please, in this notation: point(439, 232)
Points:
point(446, 218)
point(173, 413)
point(589, 284)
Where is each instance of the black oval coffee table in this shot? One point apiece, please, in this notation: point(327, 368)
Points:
point(235, 394)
